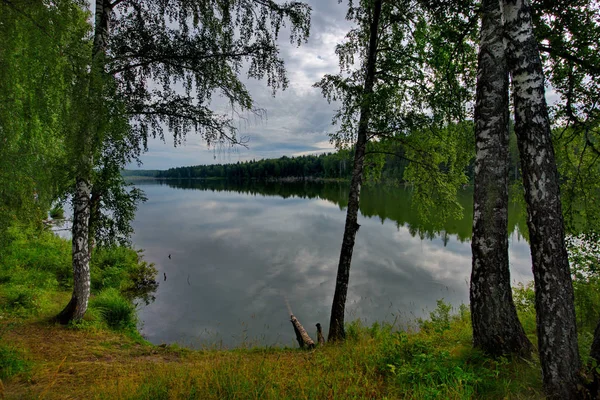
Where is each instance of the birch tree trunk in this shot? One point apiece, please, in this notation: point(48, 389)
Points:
point(336, 323)
point(77, 306)
point(496, 327)
point(556, 325)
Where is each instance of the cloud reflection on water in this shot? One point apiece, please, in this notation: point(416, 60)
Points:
point(236, 255)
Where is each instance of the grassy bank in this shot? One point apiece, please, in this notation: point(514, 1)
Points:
point(104, 357)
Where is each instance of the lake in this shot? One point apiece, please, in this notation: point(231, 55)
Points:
point(238, 251)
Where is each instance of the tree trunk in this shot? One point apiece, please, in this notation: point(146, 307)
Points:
point(94, 218)
point(336, 324)
point(77, 306)
point(496, 327)
point(556, 325)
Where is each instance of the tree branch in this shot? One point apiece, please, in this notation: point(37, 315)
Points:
point(570, 57)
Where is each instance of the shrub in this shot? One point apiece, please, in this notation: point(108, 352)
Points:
point(122, 268)
point(142, 282)
point(18, 298)
point(117, 312)
point(439, 319)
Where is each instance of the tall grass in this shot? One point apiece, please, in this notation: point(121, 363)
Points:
point(375, 362)
point(116, 311)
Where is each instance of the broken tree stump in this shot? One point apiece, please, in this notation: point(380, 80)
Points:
point(301, 335)
point(320, 337)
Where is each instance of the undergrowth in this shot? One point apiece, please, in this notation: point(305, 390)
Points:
point(36, 268)
point(116, 311)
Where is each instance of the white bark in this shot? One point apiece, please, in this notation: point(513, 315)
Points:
point(496, 327)
point(77, 307)
point(556, 325)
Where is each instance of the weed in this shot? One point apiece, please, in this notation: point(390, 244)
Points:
point(116, 311)
point(439, 319)
point(19, 298)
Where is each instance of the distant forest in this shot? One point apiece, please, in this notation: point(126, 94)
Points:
point(336, 165)
point(325, 166)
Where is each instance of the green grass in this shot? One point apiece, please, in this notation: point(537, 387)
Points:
point(12, 361)
point(116, 311)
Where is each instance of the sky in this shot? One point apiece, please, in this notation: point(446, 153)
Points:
point(297, 120)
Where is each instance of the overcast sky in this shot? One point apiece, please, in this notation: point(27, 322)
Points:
point(297, 120)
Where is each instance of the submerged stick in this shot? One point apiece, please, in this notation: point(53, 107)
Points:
point(301, 335)
point(320, 337)
point(297, 332)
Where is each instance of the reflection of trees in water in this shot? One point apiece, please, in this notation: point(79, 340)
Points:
point(385, 202)
point(143, 283)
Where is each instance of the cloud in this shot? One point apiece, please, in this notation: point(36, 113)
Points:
point(297, 121)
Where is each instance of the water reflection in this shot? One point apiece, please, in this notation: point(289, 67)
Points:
point(236, 250)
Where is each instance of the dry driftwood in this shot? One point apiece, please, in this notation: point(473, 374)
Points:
point(301, 335)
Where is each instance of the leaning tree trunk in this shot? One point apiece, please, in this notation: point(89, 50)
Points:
point(496, 327)
point(336, 323)
point(556, 325)
point(77, 306)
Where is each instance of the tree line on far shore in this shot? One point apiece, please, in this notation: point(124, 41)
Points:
point(337, 165)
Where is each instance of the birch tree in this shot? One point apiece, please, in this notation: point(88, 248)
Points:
point(408, 89)
point(142, 53)
point(496, 327)
point(41, 45)
point(555, 311)
point(336, 323)
point(568, 33)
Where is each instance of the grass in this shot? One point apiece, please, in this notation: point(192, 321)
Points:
point(117, 312)
point(376, 363)
point(90, 361)
point(12, 361)
point(103, 357)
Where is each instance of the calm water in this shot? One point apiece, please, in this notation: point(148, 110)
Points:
point(237, 251)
